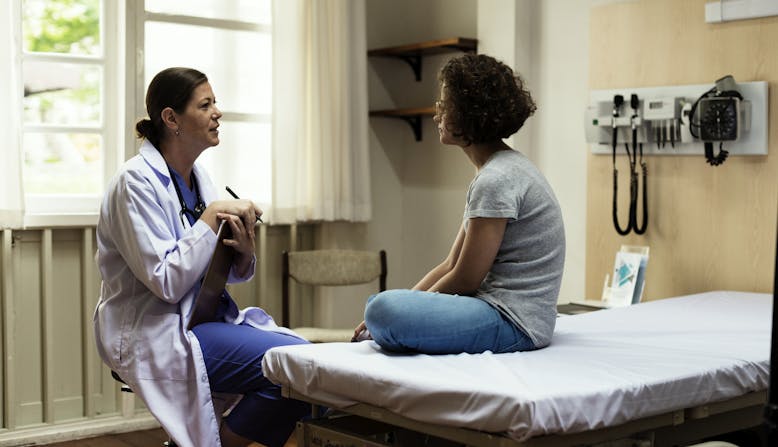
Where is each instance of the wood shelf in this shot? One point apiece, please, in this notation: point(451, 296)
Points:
point(412, 53)
point(431, 47)
point(400, 113)
point(412, 116)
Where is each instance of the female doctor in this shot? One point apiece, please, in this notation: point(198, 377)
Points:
point(155, 236)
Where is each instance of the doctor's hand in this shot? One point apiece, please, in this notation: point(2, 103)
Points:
point(241, 216)
point(242, 241)
point(246, 210)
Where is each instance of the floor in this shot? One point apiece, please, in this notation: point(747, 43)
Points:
point(145, 438)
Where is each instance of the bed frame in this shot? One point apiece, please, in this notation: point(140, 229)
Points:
point(371, 426)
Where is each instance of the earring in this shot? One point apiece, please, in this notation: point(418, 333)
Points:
point(177, 133)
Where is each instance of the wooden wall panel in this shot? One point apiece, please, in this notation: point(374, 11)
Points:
point(27, 339)
point(54, 385)
point(710, 228)
point(68, 345)
point(6, 328)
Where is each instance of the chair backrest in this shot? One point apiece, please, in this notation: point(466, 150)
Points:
point(330, 268)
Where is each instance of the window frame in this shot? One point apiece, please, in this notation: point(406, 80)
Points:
point(142, 17)
point(138, 42)
point(122, 35)
point(56, 210)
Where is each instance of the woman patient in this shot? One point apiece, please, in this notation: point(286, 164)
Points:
point(155, 236)
point(497, 289)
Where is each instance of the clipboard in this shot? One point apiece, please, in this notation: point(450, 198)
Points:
point(215, 279)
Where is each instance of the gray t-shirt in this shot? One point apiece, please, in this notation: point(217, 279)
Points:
point(523, 283)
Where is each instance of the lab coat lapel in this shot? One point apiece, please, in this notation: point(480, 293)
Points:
point(157, 163)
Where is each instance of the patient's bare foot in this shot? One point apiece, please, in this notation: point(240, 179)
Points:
point(364, 335)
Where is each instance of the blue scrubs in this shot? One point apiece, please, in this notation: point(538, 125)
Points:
point(233, 358)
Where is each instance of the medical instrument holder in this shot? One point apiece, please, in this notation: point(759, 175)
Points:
point(663, 120)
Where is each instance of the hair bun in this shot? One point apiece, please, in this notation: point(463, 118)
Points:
point(145, 128)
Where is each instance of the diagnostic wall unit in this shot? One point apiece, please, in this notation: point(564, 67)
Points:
point(662, 119)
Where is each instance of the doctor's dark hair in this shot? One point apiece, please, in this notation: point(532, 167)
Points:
point(484, 100)
point(171, 87)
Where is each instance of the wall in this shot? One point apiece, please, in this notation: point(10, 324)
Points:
point(547, 43)
point(709, 228)
point(51, 373)
point(561, 55)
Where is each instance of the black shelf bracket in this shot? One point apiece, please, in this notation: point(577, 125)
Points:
point(414, 122)
point(415, 62)
point(413, 117)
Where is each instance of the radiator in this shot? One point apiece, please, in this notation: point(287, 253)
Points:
point(54, 386)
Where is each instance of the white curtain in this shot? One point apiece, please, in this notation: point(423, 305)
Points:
point(320, 143)
point(11, 192)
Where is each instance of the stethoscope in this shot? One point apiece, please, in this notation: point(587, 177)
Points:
point(199, 206)
point(195, 214)
point(634, 187)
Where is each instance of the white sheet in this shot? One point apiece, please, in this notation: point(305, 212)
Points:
point(602, 369)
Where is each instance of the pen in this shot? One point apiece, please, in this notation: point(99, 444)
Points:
point(232, 193)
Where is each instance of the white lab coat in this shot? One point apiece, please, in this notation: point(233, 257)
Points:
point(151, 264)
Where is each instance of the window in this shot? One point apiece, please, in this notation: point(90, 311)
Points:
point(85, 66)
point(229, 41)
point(69, 103)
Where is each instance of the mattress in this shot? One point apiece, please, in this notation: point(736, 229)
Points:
point(602, 369)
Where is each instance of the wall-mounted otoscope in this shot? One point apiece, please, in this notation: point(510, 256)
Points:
point(690, 119)
point(632, 155)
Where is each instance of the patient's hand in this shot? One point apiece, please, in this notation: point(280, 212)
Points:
point(361, 333)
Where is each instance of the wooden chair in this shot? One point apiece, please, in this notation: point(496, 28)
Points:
point(329, 268)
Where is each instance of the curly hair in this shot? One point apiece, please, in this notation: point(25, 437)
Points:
point(484, 100)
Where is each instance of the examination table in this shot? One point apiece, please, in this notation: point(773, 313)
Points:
point(665, 372)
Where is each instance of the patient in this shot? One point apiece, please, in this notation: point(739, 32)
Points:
point(497, 288)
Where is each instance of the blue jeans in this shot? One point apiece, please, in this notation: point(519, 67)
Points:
point(438, 323)
point(233, 358)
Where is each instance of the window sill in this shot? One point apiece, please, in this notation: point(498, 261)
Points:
point(33, 221)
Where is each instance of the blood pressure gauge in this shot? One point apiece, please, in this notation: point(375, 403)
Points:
point(719, 118)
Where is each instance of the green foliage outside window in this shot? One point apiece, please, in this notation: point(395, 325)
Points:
point(62, 26)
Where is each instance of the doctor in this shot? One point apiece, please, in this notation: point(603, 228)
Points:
point(155, 235)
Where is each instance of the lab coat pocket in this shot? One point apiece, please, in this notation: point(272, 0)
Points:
point(159, 348)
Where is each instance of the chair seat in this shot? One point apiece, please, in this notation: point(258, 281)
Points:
point(323, 335)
